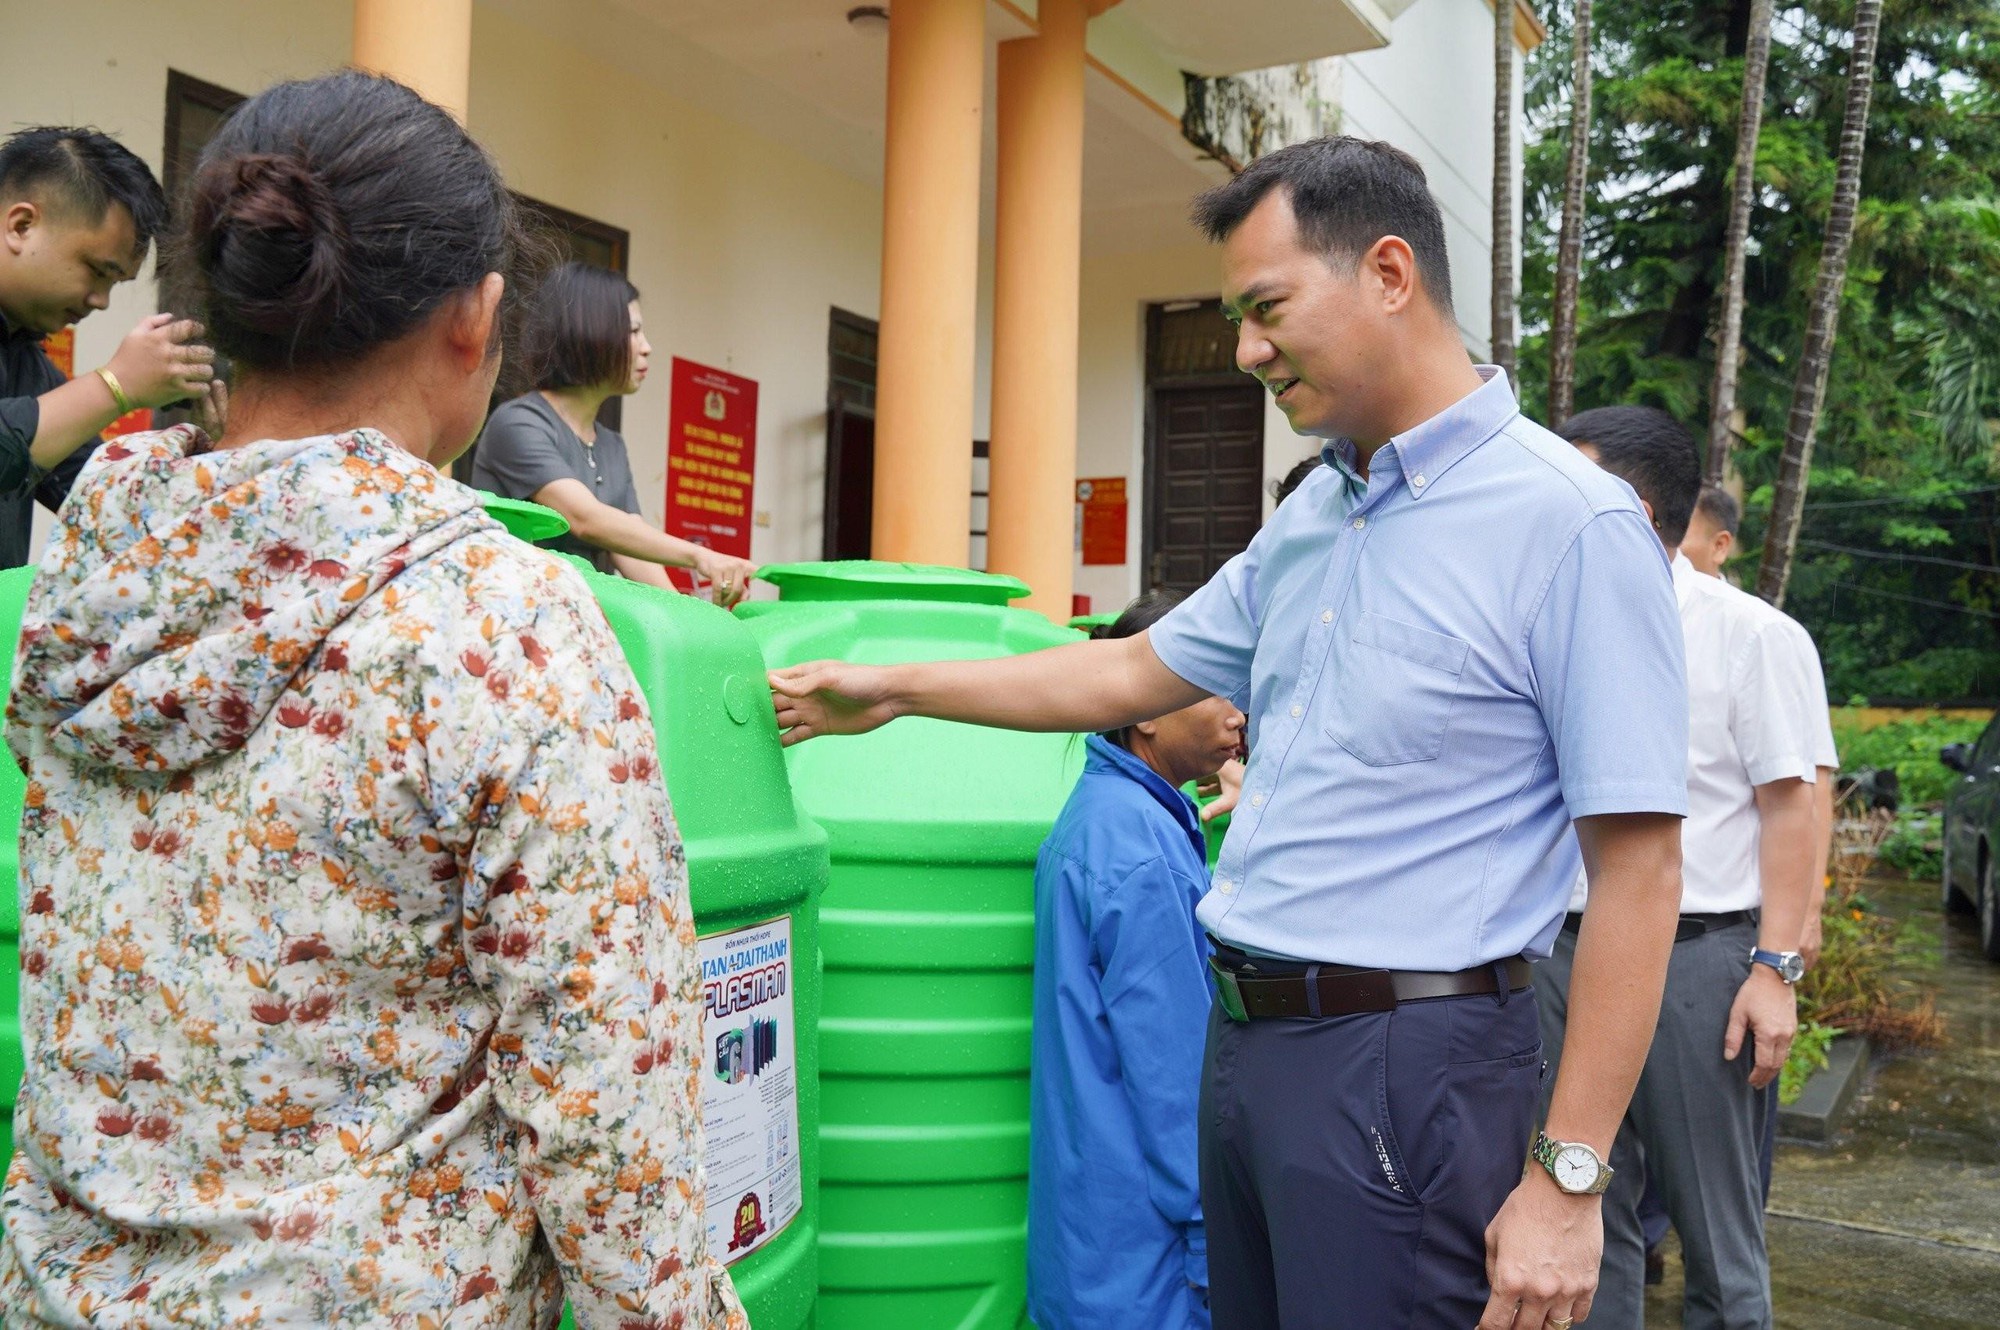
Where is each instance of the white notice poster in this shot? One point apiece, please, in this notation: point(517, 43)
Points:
point(750, 1087)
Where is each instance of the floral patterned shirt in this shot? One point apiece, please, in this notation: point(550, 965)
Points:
point(358, 968)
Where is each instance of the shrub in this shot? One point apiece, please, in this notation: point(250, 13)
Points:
point(1854, 986)
point(1937, 675)
point(1911, 747)
point(1915, 847)
point(1808, 1055)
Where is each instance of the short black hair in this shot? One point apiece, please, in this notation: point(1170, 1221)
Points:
point(88, 171)
point(1719, 506)
point(578, 329)
point(1283, 489)
point(1137, 617)
point(1648, 450)
point(1346, 194)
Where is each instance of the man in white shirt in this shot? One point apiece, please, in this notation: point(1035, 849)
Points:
point(1698, 1119)
point(1708, 544)
point(1710, 539)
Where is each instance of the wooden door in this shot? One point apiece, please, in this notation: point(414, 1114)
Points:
point(848, 526)
point(1205, 488)
point(850, 482)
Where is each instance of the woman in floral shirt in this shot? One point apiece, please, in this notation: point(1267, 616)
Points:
point(359, 980)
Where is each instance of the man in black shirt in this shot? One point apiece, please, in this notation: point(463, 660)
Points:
point(77, 215)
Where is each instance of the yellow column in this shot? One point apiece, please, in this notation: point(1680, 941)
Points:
point(1038, 236)
point(424, 43)
point(930, 262)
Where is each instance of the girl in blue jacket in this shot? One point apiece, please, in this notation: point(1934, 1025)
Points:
point(1115, 1235)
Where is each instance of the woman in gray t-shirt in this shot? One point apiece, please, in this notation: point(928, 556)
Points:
point(584, 341)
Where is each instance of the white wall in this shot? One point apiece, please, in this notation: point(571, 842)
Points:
point(741, 242)
point(740, 247)
point(1430, 92)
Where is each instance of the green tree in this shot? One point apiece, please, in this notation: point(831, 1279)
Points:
point(1788, 498)
point(1569, 240)
point(1915, 375)
point(1736, 246)
point(1505, 313)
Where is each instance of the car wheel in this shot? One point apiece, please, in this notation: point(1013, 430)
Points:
point(1955, 899)
point(1989, 912)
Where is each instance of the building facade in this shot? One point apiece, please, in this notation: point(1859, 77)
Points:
point(891, 224)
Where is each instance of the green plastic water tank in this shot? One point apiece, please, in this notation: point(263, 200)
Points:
point(531, 522)
point(928, 932)
point(14, 584)
point(756, 868)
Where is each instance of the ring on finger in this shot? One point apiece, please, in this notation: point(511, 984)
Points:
point(1560, 1323)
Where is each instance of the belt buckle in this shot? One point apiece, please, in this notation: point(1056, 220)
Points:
point(1228, 992)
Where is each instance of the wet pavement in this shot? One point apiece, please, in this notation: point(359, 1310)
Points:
point(1896, 1222)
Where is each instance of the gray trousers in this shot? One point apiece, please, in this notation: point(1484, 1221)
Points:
point(1695, 1126)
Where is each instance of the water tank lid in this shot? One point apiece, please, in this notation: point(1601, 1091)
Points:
point(868, 579)
point(529, 521)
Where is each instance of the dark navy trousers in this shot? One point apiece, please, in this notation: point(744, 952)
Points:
point(1351, 1164)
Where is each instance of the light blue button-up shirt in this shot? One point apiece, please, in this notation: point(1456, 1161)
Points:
point(1443, 664)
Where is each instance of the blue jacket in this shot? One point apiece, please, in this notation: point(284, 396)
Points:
point(1115, 1235)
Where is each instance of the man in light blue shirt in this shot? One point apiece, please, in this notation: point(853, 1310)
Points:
point(1454, 641)
point(1426, 716)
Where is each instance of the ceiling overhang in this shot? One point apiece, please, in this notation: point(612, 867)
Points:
point(1203, 37)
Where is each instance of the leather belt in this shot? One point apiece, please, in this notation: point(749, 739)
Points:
point(1691, 926)
point(1253, 988)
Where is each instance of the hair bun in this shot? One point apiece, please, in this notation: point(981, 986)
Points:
point(274, 241)
point(331, 216)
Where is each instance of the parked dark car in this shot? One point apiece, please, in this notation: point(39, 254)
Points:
point(1972, 834)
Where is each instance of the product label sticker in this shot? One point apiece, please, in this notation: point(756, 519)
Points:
point(750, 1087)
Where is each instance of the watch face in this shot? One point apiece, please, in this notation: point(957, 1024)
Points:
point(1793, 969)
point(1576, 1168)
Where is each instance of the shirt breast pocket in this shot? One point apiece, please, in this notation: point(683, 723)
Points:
point(1395, 687)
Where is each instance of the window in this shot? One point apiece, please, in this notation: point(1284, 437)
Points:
point(578, 237)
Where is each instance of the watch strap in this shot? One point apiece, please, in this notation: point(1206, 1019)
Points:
point(1781, 961)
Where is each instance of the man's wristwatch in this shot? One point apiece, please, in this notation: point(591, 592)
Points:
point(1574, 1165)
point(1791, 966)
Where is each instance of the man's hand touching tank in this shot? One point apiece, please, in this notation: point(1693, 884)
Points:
point(830, 697)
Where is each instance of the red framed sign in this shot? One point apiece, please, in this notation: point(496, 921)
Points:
point(711, 459)
point(1101, 519)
